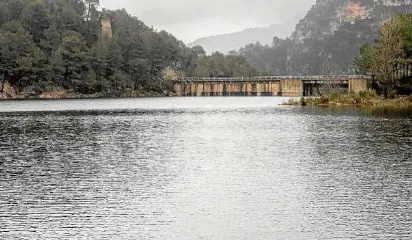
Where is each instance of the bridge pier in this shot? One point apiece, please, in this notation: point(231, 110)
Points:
point(356, 85)
point(291, 88)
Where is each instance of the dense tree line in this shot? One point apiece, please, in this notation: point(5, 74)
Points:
point(49, 44)
point(271, 60)
point(220, 65)
point(58, 43)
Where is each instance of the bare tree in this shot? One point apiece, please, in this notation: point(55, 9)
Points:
point(384, 15)
point(388, 50)
point(329, 68)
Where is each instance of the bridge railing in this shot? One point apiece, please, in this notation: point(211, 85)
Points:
point(263, 78)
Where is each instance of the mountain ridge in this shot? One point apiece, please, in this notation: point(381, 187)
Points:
point(235, 40)
point(327, 40)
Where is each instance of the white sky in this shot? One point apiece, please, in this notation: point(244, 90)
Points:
point(189, 20)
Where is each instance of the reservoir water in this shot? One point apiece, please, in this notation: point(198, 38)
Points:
point(203, 168)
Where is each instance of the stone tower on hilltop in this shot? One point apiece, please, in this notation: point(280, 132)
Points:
point(107, 32)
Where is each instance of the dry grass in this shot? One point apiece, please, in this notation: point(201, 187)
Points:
point(54, 93)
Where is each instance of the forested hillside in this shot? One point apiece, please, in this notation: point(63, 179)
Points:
point(71, 46)
point(49, 44)
point(327, 40)
point(220, 65)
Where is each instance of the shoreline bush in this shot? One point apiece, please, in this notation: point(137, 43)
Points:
point(368, 98)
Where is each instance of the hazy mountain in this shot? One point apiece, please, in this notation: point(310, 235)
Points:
point(327, 40)
point(233, 41)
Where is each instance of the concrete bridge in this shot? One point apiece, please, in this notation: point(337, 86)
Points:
point(288, 86)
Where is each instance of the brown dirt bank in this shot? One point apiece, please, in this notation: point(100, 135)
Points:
point(9, 93)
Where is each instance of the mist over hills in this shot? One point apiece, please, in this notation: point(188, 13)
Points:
point(327, 40)
point(234, 41)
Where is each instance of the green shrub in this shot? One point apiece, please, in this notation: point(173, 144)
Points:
point(292, 101)
point(410, 98)
point(303, 101)
point(368, 94)
point(392, 94)
point(347, 98)
point(363, 94)
point(333, 97)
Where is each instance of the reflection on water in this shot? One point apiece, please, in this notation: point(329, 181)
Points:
point(388, 112)
point(203, 168)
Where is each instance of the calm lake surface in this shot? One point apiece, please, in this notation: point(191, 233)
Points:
point(203, 168)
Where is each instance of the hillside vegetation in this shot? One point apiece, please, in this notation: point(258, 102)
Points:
point(389, 59)
point(69, 46)
point(327, 40)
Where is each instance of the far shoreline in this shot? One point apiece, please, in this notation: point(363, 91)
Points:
point(64, 95)
point(79, 98)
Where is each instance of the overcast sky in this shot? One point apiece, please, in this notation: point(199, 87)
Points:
point(192, 19)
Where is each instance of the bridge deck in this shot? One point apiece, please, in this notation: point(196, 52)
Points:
point(274, 78)
point(268, 85)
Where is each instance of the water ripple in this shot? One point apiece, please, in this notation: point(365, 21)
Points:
point(202, 168)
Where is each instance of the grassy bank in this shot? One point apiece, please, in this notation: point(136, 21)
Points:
point(367, 98)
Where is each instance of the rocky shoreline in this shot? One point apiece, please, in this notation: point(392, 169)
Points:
point(8, 93)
